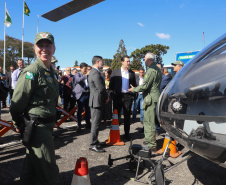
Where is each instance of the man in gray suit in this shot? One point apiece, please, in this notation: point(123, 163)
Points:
point(98, 96)
point(80, 91)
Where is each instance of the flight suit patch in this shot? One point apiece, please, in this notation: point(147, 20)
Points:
point(30, 76)
point(48, 77)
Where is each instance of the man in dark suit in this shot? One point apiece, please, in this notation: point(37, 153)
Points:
point(81, 93)
point(9, 82)
point(120, 82)
point(98, 96)
point(165, 78)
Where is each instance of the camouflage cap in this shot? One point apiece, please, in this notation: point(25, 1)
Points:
point(179, 62)
point(44, 35)
point(53, 60)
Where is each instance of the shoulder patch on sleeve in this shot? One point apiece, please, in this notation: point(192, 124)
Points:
point(30, 76)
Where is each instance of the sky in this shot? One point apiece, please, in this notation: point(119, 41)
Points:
point(97, 30)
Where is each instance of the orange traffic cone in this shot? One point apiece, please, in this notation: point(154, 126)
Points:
point(172, 147)
point(114, 136)
point(81, 173)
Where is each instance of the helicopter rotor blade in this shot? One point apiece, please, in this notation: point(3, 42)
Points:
point(69, 8)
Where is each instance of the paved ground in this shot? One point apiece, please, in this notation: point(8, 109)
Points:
point(71, 145)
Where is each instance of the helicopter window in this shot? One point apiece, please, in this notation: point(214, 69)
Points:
point(219, 50)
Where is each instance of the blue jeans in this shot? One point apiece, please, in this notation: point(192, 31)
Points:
point(8, 99)
point(83, 101)
point(139, 103)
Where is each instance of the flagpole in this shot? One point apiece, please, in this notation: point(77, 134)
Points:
point(37, 23)
point(23, 34)
point(204, 40)
point(4, 40)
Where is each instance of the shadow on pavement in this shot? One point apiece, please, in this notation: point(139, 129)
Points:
point(206, 171)
point(10, 170)
point(104, 175)
point(63, 137)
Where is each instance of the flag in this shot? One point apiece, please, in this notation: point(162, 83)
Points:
point(8, 20)
point(26, 9)
point(202, 36)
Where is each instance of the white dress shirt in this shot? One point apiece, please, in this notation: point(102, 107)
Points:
point(125, 81)
point(15, 76)
point(140, 82)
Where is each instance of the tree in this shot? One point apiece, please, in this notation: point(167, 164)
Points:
point(76, 63)
point(136, 64)
point(107, 62)
point(116, 62)
point(14, 51)
point(158, 49)
point(29, 53)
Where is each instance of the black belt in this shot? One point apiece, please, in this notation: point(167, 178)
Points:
point(127, 93)
point(49, 119)
point(85, 93)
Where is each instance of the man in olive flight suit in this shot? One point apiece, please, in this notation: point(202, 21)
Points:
point(151, 92)
point(35, 99)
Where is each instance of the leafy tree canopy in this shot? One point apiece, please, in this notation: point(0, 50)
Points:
point(158, 49)
point(107, 62)
point(76, 63)
point(14, 52)
point(116, 62)
point(136, 64)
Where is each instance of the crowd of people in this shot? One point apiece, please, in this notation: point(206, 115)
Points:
point(34, 92)
point(8, 83)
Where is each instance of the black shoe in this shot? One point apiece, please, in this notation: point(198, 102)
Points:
point(79, 129)
point(97, 149)
point(127, 137)
point(157, 132)
point(88, 127)
point(141, 131)
point(179, 145)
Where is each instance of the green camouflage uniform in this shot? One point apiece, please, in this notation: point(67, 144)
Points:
point(36, 93)
point(151, 92)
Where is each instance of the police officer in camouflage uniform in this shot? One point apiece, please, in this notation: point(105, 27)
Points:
point(35, 98)
point(151, 93)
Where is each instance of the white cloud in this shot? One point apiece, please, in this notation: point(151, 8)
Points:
point(140, 24)
point(163, 36)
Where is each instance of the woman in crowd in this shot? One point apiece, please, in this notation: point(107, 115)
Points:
point(107, 112)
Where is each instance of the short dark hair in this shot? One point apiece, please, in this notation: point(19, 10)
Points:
point(83, 64)
point(123, 58)
point(96, 58)
point(109, 71)
point(141, 69)
point(20, 59)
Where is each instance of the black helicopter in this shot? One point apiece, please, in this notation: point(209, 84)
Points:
point(192, 107)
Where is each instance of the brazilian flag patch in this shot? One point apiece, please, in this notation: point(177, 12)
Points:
point(30, 76)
